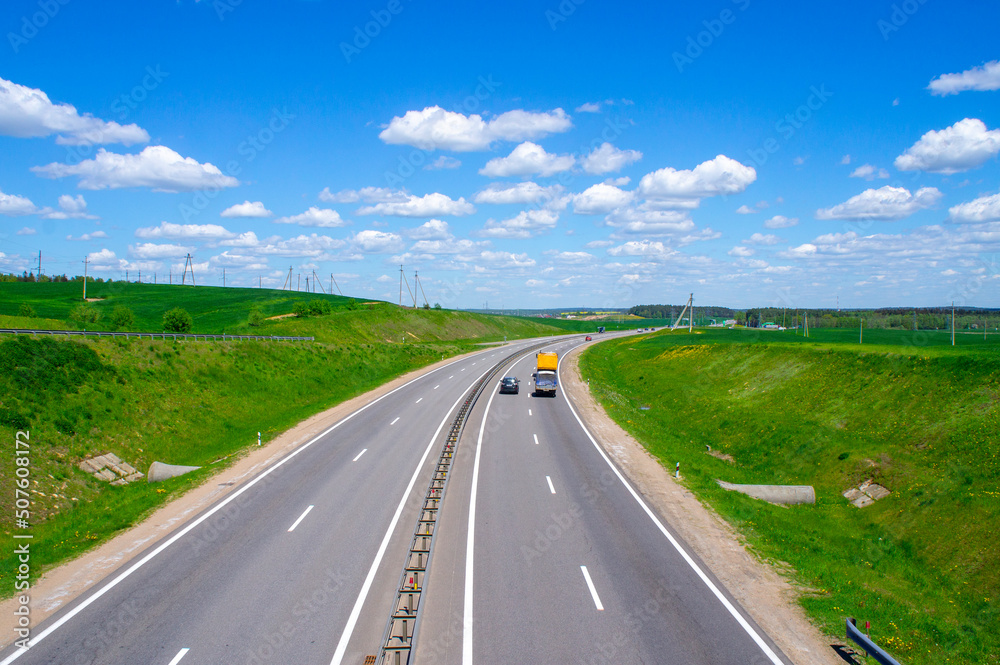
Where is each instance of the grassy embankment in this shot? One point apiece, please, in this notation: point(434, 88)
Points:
point(194, 403)
point(906, 410)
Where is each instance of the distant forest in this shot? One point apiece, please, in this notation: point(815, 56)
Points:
point(895, 318)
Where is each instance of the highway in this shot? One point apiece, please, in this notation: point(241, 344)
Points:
point(543, 553)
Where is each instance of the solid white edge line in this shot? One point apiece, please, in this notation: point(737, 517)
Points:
point(680, 550)
point(529, 412)
point(395, 421)
point(183, 532)
point(471, 539)
point(359, 455)
point(301, 517)
point(419, 400)
point(551, 488)
point(180, 654)
point(536, 438)
point(352, 620)
point(593, 589)
point(437, 386)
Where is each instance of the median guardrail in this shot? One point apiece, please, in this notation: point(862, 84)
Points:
point(162, 335)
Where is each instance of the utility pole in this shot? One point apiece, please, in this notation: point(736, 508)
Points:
point(170, 275)
point(258, 281)
point(400, 285)
point(691, 314)
point(38, 275)
point(298, 283)
point(861, 331)
point(333, 283)
point(288, 280)
point(188, 264)
point(223, 278)
point(86, 260)
point(953, 323)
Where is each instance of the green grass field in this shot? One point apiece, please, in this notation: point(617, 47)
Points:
point(906, 410)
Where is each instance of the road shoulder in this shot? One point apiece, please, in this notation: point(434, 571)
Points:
point(769, 598)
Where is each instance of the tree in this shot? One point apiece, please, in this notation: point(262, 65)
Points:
point(121, 318)
point(256, 317)
point(85, 314)
point(301, 309)
point(437, 305)
point(26, 311)
point(177, 320)
point(318, 307)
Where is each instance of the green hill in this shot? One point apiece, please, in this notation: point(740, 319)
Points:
point(908, 411)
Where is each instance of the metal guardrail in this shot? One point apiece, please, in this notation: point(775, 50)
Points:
point(400, 631)
point(163, 335)
point(865, 642)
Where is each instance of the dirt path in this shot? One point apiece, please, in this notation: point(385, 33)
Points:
point(769, 598)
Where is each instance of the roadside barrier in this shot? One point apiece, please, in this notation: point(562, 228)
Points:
point(865, 642)
point(164, 335)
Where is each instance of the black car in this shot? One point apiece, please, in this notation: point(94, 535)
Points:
point(509, 384)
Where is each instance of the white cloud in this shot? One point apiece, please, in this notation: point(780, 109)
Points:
point(589, 107)
point(366, 194)
point(96, 235)
point(650, 222)
point(528, 159)
point(450, 245)
point(103, 260)
point(157, 167)
point(443, 162)
point(526, 224)
point(949, 272)
point(721, 175)
point(27, 231)
point(741, 252)
point(371, 241)
point(28, 112)
point(986, 77)
point(963, 146)
point(70, 207)
point(780, 222)
point(983, 209)
point(572, 258)
point(886, 203)
point(505, 260)
point(597, 244)
point(148, 250)
point(763, 239)
point(869, 172)
point(246, 209)
point(608, 158)
point(434, 229)
point(799, 161)
point(210, 232)
point(13, 205)
point(429, 205)
point(323, 218)
point(312, 245)
point(746, 210)
point(600, 199)
point(435, 128)
point(522, 192)
point(846, 159)
point(653, 250)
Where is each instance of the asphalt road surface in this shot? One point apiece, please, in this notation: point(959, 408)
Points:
point(543, 553)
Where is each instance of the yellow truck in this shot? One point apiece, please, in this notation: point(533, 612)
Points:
point(545, 373)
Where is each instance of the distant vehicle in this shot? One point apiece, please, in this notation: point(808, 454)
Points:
point(545, 374)
point(600, 329)
point(588, 338)
point(509, 384)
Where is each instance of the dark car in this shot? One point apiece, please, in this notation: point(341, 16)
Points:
point(509, 384)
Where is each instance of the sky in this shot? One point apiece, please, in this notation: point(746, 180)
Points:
point(573, 153)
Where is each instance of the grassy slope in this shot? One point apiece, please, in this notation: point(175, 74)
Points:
point(920, 418)
point(189, 403)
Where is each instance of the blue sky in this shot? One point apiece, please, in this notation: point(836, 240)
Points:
point(547, 154)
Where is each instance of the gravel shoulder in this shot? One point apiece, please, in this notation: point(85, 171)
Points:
point(769, 598)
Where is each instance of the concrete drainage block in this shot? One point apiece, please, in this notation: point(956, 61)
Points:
point(780, 494)
point(866, 494)
point(110, 468)
point(159, 471)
